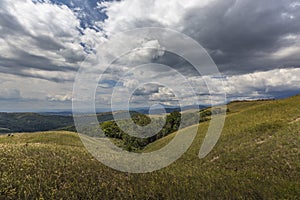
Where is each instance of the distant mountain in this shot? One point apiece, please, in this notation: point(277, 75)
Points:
point(168, 109)
point(62, 113)
point(33, 122)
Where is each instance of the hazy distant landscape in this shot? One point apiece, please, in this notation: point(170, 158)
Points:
point(32, 122)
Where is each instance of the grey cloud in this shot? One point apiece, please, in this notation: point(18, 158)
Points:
point(147, 89)
point(10, 25)
point(27, 62)
point(7, 94)
point(240, 35)
point(39, 44)
point(30, 75)
point(47, 43)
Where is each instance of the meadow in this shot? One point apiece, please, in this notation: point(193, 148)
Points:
point(256, 157)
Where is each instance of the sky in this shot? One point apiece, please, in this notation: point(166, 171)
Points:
point(43, 43)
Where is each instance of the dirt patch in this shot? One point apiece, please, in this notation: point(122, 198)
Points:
point(215, 158)
point(295, 120)
point(260, 142)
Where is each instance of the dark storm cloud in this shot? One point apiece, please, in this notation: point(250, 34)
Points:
point(240, 35)
point(177, 63)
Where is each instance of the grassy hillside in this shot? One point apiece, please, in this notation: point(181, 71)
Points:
point(257, 157)
point(32, 122)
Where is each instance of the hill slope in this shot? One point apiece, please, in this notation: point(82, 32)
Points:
point(257, 157)
point(32, 122)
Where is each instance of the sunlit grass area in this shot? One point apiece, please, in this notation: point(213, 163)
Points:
point(257, 157)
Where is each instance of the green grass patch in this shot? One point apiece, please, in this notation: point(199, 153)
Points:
point(257, 157)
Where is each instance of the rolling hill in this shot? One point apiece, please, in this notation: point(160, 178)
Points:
point(33, 122)
point(257, 157)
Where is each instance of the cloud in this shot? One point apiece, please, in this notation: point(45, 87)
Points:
point(148, 50)
point(272, 83)
point(256, 85)
point(130, 14)
point(239, 35)
point(38, 36)
point(245, 32)
point(147, 89)
point(19, 93)
point(256, 45)
point(289, 52)
point(163, 94)
point(57, 97)
point(9, 94)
